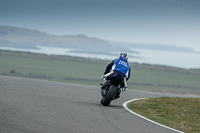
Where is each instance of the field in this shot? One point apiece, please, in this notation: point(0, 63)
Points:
point(179, 113)
point(89, 71)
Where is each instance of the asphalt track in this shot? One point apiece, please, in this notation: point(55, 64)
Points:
point(37, 106)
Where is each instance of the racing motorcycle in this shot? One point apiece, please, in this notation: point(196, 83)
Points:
point(111, 89)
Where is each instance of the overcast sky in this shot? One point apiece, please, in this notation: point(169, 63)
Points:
point(172, 22)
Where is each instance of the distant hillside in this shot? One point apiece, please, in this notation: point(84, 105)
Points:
point(158, 47)
point(25, 38)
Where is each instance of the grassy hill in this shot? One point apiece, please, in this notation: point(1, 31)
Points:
point(89, 71)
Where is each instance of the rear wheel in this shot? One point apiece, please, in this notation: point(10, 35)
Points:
point(110, 95)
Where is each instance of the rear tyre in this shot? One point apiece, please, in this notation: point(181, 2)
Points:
point(110, 95)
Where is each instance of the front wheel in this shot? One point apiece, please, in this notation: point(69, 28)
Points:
point(110, 95)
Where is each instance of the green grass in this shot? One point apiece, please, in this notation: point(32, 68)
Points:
point(59, 68)
point(89, 71)
point(179, 113)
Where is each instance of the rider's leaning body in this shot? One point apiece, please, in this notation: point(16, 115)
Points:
point(119, 65)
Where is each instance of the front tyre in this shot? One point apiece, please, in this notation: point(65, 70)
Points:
point(110, 95)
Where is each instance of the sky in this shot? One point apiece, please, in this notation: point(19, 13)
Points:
point(168, 22)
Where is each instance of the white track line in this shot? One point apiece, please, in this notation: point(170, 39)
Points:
point(125, 106)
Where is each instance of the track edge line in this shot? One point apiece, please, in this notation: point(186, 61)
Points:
point(126, 107)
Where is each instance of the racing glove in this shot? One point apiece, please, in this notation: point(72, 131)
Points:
point(103, 77)
point(124, 88)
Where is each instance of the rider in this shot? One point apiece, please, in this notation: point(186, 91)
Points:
point(119, 65)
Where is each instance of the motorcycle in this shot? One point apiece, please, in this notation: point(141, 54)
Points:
point(111, 89)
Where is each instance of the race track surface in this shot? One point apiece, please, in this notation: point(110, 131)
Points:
point(37, 106)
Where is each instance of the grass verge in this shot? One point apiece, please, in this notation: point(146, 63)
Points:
point(179, 113)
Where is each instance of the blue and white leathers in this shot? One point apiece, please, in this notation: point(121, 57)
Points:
point(118, 65)
point(121, 65)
